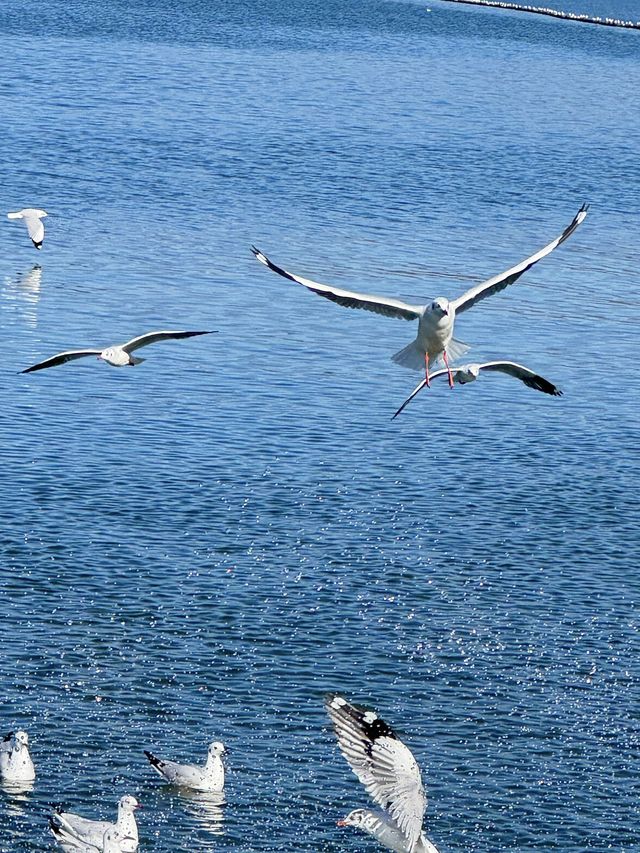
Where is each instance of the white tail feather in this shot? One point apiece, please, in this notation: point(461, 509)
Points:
point(14, 216)
point(456, 349)
point(412, 356)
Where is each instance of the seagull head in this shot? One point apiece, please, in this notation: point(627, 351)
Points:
point(355, 818)
point(20, 739)
point(129, 804)
point(440, 306)
point(217, 748)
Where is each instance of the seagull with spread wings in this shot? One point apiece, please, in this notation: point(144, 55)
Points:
point(469, 373)
point(434, 340)
point(117, 356)
point(32, 218)
point(389, 772)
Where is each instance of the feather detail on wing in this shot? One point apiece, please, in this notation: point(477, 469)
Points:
point(348, 299)
point(154, 337)
point(384, 765)
point(61, 358)
point(502, 280)
point(518, 371)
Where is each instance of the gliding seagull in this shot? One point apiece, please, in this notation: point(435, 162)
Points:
point(435, 339)
point(35, 227)
point(388, 771)
point(116, 356)
point(469, 373)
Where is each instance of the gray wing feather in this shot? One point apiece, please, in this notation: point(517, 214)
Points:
point(524, 374)
point(154, 337)
point(502, 280)
point(61, 358)
point(35, 227)
point(347, 298)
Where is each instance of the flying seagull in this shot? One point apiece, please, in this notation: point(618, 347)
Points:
point(209, 778)
point(35, 227)
point(388, 771)
point(469, 373)
point(436, 319)
point(116, 356)
point(15, 762)
point(72, 830)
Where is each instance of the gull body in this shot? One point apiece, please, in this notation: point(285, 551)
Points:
point(390, 774)
point(15, 762)
point(209, 778)
point(71, 829)
point(470, 372)
point(117, 356)
point(32, 218)
point(434, 339)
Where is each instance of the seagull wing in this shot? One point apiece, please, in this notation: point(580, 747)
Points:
point(35, 227)
point(420, 386)
point(384, 765)
point(154, 337)
point(346, 298)
point(61, 358)
point(499, 282)
point(533, 380)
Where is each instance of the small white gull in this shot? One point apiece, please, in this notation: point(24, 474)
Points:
point(116, 356)
point(33, 220)
point(15, 762)
point(209, 778)
point(389, 772)
point(469, 373)
point(434, 340)
point(71, 830)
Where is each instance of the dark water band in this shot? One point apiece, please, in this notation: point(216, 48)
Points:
point(553, 13)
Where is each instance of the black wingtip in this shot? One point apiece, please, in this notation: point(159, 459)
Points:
point(256, 251)
point(37, 245)
point(152, 758)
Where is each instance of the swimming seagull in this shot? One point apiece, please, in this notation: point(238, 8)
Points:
point(35, 227)
point(15, 762)
point(71, 830)
point(209, 778)
point(116, 356)
point(388, 771)
point(469, 373)
point(434, 340)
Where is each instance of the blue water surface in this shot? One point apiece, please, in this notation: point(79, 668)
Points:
point(201, 547)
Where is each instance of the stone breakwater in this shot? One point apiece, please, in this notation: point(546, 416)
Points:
point(554, 13)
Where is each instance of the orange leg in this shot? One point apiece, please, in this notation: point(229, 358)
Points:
point(446, 361)
point(426, 369)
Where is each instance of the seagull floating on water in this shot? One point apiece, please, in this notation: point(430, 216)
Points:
point(32, 219)
point(80, 833)
point(15, 762)
point(435, 339)
point(389, 772)
point(116, 356)
point(469, 373)
point(209, 778)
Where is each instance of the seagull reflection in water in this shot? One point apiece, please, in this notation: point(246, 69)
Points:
point(22, 292)
point(207, 808)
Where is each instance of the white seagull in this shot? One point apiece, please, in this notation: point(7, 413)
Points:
point(80, 833)
point(388, 771)
point(435, 339)
point(469, 373)
point(32, 219)
point(209, 778)
point(116, 356)
point(15, 762)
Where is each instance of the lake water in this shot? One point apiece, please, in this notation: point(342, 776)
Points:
point(200, 548)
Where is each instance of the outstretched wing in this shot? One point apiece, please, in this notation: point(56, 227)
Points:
point(347, 298)
point(384, 765)
point(61, 358)
point(499, 282)
point(421, 385)
point(35, 227)
point(518, 371)
point(154, 337)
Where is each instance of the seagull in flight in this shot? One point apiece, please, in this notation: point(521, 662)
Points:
point(434, 340)
point(117, 356)
point(469, 373)
point(389, 772)
point(32, 219)
point(209, 778)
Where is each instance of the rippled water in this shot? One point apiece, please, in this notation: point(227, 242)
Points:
point(200, 548)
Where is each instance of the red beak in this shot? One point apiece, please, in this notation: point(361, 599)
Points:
point(341, 823)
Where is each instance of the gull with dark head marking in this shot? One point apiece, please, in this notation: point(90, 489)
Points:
point(80, 833)
point(389, 772)
point(116, 356)
point(469, 373)
point(209, 778)
point(15, 762)
point(434, 340)
point(33, 220)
